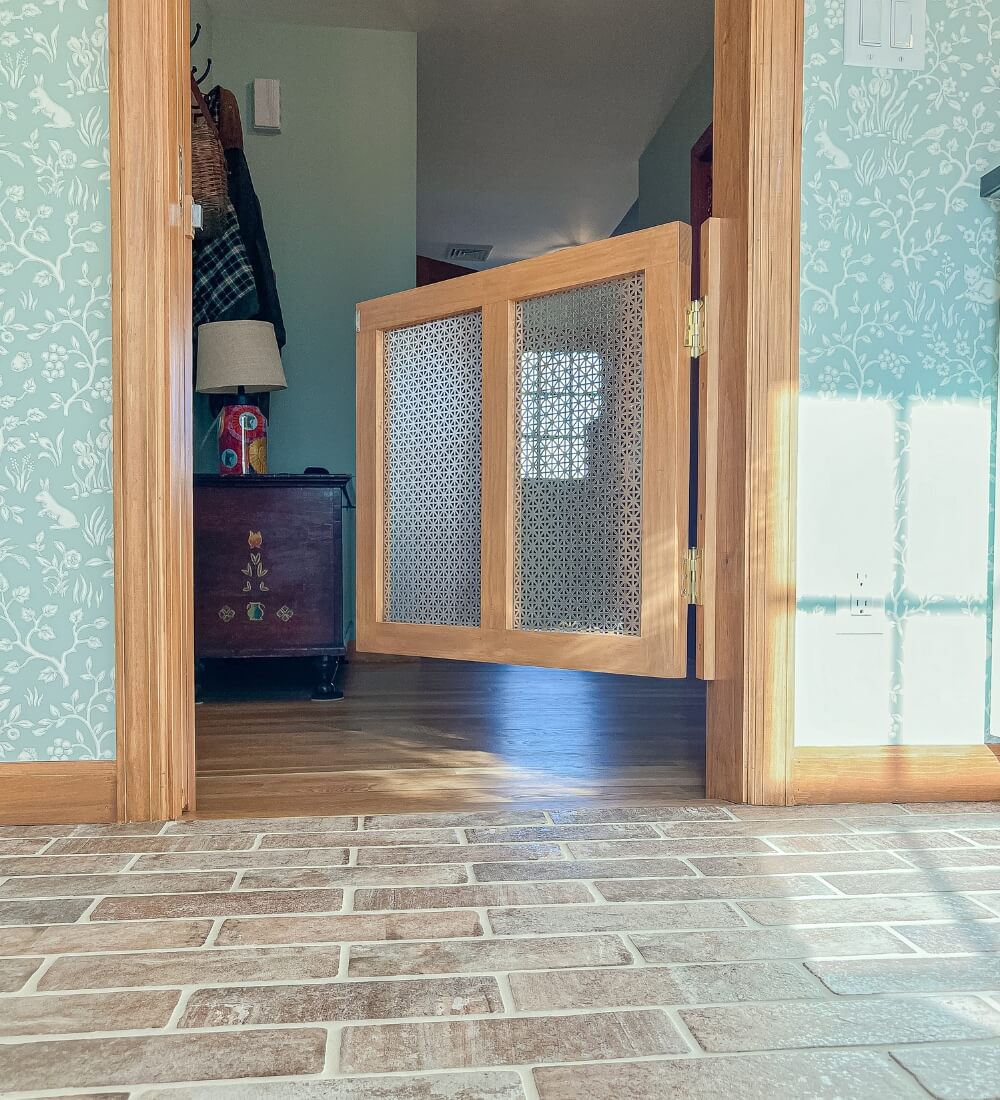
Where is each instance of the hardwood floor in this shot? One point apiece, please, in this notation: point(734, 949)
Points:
point(439, 735)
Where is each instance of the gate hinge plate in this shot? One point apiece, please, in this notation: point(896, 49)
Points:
point(694, 338)
point(692, 576)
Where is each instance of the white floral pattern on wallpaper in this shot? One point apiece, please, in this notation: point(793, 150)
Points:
point(56, 584)
point(900, 276)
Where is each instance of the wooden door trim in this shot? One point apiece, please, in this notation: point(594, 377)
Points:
point(757, 153)
point(151, 311)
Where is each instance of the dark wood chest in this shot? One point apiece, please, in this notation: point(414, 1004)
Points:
point(268, 566)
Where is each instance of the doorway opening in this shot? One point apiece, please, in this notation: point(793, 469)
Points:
point(364, 187)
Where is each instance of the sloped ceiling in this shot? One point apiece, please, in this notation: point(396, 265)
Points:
point(532, 114)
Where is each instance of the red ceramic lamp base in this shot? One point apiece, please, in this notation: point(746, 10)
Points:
point(242, 441)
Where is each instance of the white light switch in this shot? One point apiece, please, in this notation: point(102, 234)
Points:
point(902, 25)
point(871, 22)
point(885, 34)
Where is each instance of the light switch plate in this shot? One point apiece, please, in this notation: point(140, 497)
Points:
point(875, 33)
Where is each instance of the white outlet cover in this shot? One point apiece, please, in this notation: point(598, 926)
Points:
point(879, 52)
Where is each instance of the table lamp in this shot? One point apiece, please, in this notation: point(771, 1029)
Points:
point(240, 357)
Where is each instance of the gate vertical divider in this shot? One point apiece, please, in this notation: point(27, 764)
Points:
point(497, 502)
point(370, 467)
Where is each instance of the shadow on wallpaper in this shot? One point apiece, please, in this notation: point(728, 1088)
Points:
point(897, 443)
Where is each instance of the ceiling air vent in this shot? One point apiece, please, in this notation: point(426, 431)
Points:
point(469, 253)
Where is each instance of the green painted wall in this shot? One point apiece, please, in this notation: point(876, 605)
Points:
point(665, 166)
point(56, 580)
point(338, 190)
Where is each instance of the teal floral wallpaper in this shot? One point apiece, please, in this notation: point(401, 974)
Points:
point(56, 595)
point(900, 296)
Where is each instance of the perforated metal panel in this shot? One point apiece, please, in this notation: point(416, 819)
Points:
point(433, 462)
point(578, 495)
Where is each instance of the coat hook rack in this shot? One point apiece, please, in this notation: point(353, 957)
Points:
point(197, 34)
point(204, 75)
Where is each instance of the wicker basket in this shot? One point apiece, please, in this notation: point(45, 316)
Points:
point(209, 179)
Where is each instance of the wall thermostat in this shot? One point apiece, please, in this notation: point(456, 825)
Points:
point(267, 105)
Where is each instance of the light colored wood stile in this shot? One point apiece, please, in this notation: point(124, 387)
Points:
point(496, 562)
point(663, 255)
point(151, 316)
point(708, 626)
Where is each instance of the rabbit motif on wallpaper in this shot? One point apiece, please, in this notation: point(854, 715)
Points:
point(62, 518)
point(59, 118)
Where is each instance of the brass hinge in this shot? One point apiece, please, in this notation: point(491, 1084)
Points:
point(695, 328)
point(692, 576)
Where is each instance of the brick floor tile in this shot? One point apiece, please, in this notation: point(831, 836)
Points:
point(22, 846)
point(17, 866)
point(263, 825)
point(920, 882)
point(865, 1022)
point(597, 815)
point(373, 838)
point(482, 956)
point(199, 842)
point(455, 821)
point(30, 832)
point(539, 920)
point(848, 1075)
point(952, 807)
point(579, 869)
point(674, 985)
point(46, 911)
point(952, 857)
point(460, 853)
point(923, 822)
point(132, 828)
point(497, 1085)
point(338, 1001)
point(988, 838)
point(858, 910)
point(447, 924)
point(236, 903)
point(946, 939)
point(796, 826)
point(69, 939)
point(955, 1073)
point(209, 1056)
point(203, 967)
point(870, 842)
point(681, 846)
point(770, 943)
point(695, 889)
point(54, 886)
point(866, 976)
point(15, 972)
point(533, 834)
point(58, 1014)
point(434, 874)
point(501, 893)
point(840, 810)
point(211, 861)
point(818, 863)
point(468, 1043)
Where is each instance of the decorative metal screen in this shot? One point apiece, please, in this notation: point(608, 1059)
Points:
point(578, 495)
point(433, 462)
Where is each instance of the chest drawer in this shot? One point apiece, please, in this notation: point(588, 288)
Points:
point(268, 568)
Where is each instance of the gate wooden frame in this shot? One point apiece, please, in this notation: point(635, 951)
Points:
point(663, 256)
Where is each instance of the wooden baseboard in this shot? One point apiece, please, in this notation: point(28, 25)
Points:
point(83, 793)
point(896, 773)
